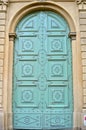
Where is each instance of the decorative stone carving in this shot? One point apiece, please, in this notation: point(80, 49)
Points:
point(12, 36)
point(4, 2)
point(72, 35)
point(81, 1)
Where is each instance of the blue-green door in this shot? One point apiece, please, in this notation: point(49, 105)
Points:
point(42, 78)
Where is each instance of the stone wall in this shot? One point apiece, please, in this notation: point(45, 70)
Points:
point(3, 8)
point(2, 45)
point(83, 50)
point(82, 21)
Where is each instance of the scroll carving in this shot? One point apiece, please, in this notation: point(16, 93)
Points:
point(4, 2)
point(81, 1)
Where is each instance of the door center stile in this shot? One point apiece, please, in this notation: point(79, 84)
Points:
point(42, 59)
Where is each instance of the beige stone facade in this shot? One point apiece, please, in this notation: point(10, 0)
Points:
point(11, 11)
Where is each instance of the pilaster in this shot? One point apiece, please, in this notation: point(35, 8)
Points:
point(2, 43)
point(3, 10)
point(82, 22)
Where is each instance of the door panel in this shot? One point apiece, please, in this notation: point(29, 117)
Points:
point(42, 78)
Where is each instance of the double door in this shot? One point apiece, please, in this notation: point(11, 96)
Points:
point(42, 78)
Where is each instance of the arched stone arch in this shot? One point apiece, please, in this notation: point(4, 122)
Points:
point(36, 6)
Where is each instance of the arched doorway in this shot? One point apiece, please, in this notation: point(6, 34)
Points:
point(42, 76)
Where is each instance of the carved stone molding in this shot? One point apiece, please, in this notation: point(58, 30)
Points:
point(72, 35)
point(4, 2)
point(81, 1)
point(12, 36)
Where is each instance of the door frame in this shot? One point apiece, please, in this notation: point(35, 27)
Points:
point(37, 6)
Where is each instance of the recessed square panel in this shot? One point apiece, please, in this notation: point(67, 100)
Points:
point(27, 96)
point(58, 96)
point(58, 45)
point(26, 69)
point(58, 69)
point(28, 45)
